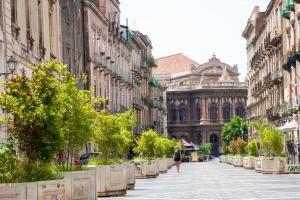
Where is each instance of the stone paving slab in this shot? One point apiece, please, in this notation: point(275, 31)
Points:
point(215, 181)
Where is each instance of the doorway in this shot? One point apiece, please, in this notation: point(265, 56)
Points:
point(214, 140)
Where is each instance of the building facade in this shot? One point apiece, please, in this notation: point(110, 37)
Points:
point(29, 33)
point(117, 63)
point(72, 34)
point(273, 42)
point(200, 98)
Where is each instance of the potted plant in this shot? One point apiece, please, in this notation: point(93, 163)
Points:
point(271, 141)
point(240, 146)
point(205, 150)
point(113, 137)
point(146, 164)
point(35, 107)
point(249, 161)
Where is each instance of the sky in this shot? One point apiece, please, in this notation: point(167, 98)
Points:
point(196, 28)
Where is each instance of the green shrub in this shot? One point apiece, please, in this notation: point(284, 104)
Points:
point(205, 149)
point(9, 167)
point(38, 171)
point(237, 127)
point(271, 139)
point(241, 146)
point(69, 168)
point(146, 143)
point(111, 161)
point(252, 148)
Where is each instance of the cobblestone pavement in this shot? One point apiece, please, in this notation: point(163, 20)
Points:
point(215, 181)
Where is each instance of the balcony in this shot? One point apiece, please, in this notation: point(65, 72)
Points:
point(147, 100)
point(138, 103)
point(291, 61)
point(153, 82)
point(273, 113)
point(275, 37)
point(289, 7)
point(276, 77)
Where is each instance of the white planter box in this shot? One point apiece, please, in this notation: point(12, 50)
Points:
point(130, 174)
point(42, 190)
point(163, 165)
point(249, 162)
point(171, 162)
point(80, 184)
point(156, 167)
point(237, 161)
point(145, 169)
point(229, 159)
point(258, 164)
point(274, 165)
point(111, 180)
point(222, 159)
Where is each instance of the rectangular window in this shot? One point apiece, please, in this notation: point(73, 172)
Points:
point(13, 5)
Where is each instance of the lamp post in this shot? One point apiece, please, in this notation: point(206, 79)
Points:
point(11, 64)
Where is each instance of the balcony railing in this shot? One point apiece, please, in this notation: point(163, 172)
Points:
point(138, 102)
point(198, 85)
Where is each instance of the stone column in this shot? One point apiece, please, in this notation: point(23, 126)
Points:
point(203, 109)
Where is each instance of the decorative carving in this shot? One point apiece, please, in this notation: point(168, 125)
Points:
point(42, 50)
point(15, 29)
point(30, 41)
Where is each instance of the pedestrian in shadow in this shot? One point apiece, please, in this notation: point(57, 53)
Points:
point(177, 158)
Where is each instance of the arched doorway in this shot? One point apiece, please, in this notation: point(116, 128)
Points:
point(214, 140)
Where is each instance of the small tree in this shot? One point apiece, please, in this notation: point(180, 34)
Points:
point(146, 143)
point(80, 115)
point(252, 148)
point(37, 107)
point(233, 147)
point(237, 127)
point(113, 133)
point(271, 139)
point(241, 146)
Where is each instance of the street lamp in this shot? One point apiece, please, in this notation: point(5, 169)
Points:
point(11, 64)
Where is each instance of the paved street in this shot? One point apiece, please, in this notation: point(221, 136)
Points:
point(215, 181)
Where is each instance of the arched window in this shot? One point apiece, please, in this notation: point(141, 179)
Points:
point(226, 112)
point(213, 109)
point(173, 114)
point(198, 111)
point(182, 113)
point(240, 110)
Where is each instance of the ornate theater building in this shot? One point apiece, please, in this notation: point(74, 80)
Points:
point(200, 98)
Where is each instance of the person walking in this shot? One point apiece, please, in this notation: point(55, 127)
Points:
point(177, 158)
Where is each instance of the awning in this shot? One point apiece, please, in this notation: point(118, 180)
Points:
point(289, 126)
point(185, 143)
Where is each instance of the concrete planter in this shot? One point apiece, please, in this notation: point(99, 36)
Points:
point(80, 185)
point(249, 162)
point(171, 162)
point(222, 159)
point(274, 165)
point(111, 180)
point(229, 159)
point(42, 190)
point(130, 174)
point(156, 167)
point(162, 166)
point(145, 169)
point(237, 161)
point(258, 164)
